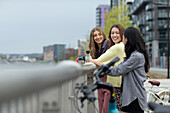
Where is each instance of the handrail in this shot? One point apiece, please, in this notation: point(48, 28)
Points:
point(19, 80)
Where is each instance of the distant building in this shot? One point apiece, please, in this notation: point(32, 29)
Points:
point(25, 58)
point(115, 3)
point(71, 52)
point(54, 52)
point(100, 11)
point(28, 59)
point(82, 46)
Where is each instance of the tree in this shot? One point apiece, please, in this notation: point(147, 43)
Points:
point(117, 15)
point(73, 58)
point(39, 57)
point(56, 60)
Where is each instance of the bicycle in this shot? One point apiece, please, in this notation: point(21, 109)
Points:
point(158, 108)
point(87, 92)
point(161, 97)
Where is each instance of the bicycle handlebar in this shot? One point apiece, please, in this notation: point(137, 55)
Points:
point(87, 95)
point(158, 108)
point(113, 62)
point(98, 84)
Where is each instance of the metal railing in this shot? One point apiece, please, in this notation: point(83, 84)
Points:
point(33, 81)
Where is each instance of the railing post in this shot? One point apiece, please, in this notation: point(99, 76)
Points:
point(168, 36)
point(90, 107)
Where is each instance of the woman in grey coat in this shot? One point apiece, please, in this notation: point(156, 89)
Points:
point(133, 70)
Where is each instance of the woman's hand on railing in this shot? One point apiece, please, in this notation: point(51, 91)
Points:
point(94, 61)
point(90, 60)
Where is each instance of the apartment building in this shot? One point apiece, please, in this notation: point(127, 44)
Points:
point(152, 18)
point(100, 11)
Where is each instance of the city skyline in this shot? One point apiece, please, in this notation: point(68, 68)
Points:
point(26, 26)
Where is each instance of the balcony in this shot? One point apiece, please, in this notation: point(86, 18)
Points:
point(98, 10)
point(128, 13)
point(129, 1)
point(162, 27)
point(149, 28)
point(149, 17)
point(98, 21)
point(162, 15)
point(149, 7)
point(143, 32)
point(137, 5)
point(148, 38)
point(163, 38)
point(140, 23)
point(163, 5)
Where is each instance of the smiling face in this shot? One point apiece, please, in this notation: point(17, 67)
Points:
point(98, 37)
point(115, 35)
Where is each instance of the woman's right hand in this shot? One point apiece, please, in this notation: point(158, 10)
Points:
point(90, 60)
point(94, 61)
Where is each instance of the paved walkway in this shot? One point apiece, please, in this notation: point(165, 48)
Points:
point(159, 71)
point(164, 83)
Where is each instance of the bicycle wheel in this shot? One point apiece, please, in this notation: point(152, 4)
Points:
point(163, 98)
point(151, 97)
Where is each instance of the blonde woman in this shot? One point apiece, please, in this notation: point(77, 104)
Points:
point(116, 50)
point(98, 44)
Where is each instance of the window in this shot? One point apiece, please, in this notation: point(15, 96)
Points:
point(163, 49)
point(162, 35)
point(162, 23)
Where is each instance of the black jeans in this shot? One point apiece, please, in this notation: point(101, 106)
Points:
point(133, 107)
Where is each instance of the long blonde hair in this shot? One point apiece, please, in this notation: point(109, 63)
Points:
point(93, 46)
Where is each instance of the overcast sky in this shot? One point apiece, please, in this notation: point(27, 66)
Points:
point(28, 25)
